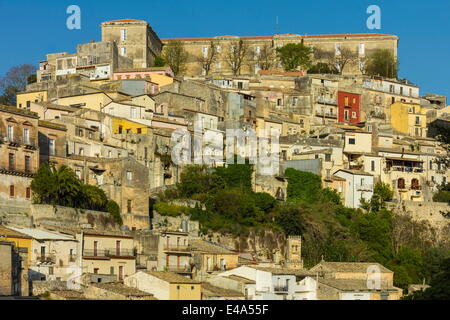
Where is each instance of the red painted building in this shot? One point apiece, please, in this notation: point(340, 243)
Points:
point(349, 107)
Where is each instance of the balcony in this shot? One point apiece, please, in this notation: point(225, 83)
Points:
point(282, 289)
point(179, 269)
point(404, 169)
point(379, 115)
point(324, 100)
point(110, 253)
point(47, 259)
point(175, 248)
point(326, 114)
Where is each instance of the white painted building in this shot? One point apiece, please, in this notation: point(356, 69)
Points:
point(358, 185)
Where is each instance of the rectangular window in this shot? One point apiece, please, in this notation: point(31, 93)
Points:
point(28, 193)
point(51, 147)
point(133, 113)
point(123, 51)
point(205, 52)
point(26, 136)
point(372, 165)
point(401, 91)
point(362, 49)
point(10, 133)
point(11, 162)
point(337, 51)
point(257, 50)
point(12, 191)
point(353, 115)
point(129, 176)
point(27, 164)
point(123, 34)
point(129, 206)
point(351, 141)
point(346, 101)
point(391, 88)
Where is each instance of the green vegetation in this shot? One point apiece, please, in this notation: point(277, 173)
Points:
point(443, 193)
point(60, 186)
point(175, 56)
point(294, 55)
point(159, 62)
point(382, 63)
point(172, 210)
point(328, 228)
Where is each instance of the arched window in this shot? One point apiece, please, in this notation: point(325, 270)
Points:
point(401, 183)
point(415, 185)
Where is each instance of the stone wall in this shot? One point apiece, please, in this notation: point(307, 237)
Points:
point(58, 216)
point(160, 222)
point(41, 287)
point(19, 219)
point(265, 244)
point(428, 211)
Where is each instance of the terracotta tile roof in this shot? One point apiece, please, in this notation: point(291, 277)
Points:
point(284, 271)
point(208, 247)
point(318, 36)
point(122, 289)
point(52, 125)
point(171, 277)
point(22, 112)
point(213, 291)
point(347, 266)
point(348, 284)
point(124, 20)
point(6, 232)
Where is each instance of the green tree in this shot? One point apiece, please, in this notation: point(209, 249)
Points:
point(93, 197)
point(322, 68)
point(159, 62)
point(302, 185)
point(44, 185)
point(440, 286)
point(113, 208)
point(175, 56)
point(382, 62)
point(294, 55)
point(68, 186)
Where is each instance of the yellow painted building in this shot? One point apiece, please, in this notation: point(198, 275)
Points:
point(409, 119)
point(24, 99)
point(165, 285)
point(108, 254)
point(120, 125)
point(94, 101)
point(20, 240)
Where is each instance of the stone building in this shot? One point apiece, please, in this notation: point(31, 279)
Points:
point(135, 40)
point(19, 156)
point(361, 44)
point(13, 270)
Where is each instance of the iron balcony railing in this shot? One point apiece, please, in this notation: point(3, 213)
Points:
point(175, 248)
point(179, 269)
point(109, 253)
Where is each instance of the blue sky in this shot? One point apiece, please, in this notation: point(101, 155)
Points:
point(32, 28)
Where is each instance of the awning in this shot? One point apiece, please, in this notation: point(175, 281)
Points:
point(403, 159)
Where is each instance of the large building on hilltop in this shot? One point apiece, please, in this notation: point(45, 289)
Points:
point(135, 39)
point(361, 44)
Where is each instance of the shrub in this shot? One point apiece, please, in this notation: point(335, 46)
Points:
point(166, 209)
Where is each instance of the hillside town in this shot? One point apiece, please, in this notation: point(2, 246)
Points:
point(107, 114)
